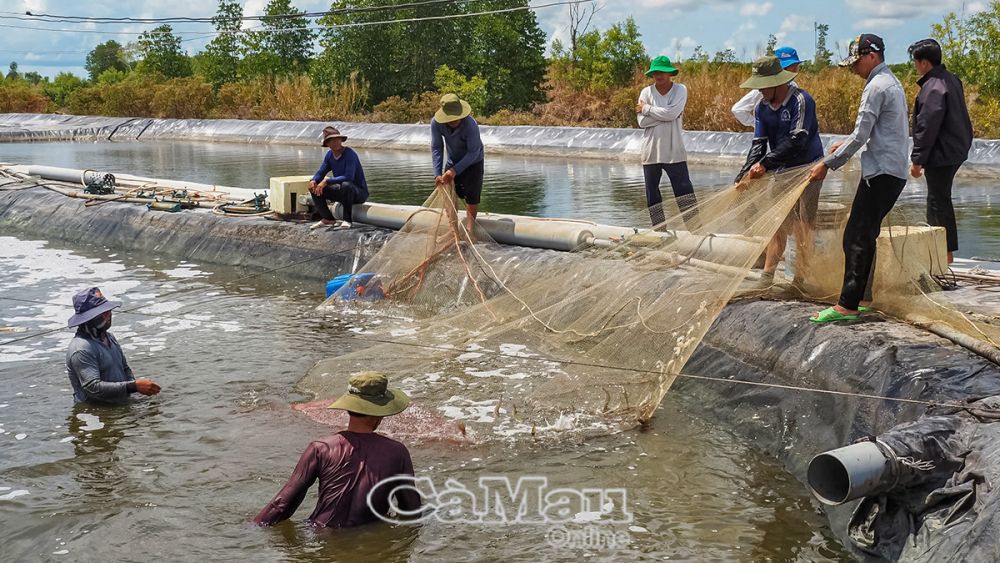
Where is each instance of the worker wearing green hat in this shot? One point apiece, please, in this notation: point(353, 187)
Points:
point(660, 112)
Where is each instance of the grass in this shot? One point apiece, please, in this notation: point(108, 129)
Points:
point(712, 90)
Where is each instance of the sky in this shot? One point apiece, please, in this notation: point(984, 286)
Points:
point(669, 27)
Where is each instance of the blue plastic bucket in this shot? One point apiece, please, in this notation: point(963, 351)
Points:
point(354, 280)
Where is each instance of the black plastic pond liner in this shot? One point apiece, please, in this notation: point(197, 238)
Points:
point(946, 513)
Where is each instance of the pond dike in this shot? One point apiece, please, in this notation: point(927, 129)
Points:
point(951, 514)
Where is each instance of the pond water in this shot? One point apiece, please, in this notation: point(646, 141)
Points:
point(177, 477)
point(604, 191)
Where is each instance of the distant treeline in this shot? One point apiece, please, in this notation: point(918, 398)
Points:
point(395, 72)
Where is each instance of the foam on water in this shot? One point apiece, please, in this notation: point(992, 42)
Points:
point(91, 422)
point(13, 494)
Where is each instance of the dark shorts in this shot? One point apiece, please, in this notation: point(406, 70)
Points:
point(806, 208)
point(469, 184)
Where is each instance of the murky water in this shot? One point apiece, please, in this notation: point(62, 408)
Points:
point(603, 191)
point(177, 477)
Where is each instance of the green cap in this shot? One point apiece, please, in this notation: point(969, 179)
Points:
point(661, 64)
point(368, 393)
point(767, 73)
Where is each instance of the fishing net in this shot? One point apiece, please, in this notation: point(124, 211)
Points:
point(526, 341)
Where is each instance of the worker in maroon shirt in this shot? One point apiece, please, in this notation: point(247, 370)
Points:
point(349, 464)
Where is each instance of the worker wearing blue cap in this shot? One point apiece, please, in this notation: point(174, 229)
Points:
point(743, 109)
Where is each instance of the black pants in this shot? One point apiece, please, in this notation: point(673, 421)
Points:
point(680, 182)
point(875, 198)
point(940, 211)
point(469, 184)
point(345, 193)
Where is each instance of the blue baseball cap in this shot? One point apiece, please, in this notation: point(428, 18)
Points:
point(787, 56)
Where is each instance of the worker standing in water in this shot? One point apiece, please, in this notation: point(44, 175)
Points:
point(95, 363)
point(350, 464)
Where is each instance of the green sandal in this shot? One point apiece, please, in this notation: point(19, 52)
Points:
point(830, 315)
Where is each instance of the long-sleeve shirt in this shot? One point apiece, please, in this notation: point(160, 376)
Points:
point(882, 126)
point(662, 123)
point(743, 109)
point(465, 146)
point(98, 371)
point(942, 130)
point(348, 465)
point(346, 168)
point(792, 131)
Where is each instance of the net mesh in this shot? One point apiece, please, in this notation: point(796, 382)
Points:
point(517, 340)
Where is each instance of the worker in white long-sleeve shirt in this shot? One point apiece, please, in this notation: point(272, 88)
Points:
point(660, 112)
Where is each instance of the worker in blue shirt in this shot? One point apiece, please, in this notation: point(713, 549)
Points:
point(786, 134)
point(347, 186)
point(453, 127)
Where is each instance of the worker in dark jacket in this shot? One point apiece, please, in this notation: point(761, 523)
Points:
point(942, 135)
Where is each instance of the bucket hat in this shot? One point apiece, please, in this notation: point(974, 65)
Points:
point(369, 393)
point(452, 108)
point(767, 73)
point(788, 56)
point(662, 64)
point(331, 133)
point(861, 46)
point(88, 304)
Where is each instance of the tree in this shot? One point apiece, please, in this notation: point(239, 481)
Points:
point(622, 44)
point(397, 59)
point(472, 90)
point(64, 84)
point(33, 77)
point(218, 62)
point(161, 53)
point(823, 54)
point(579, 22)
point(282, 47)
point(604, 60)
point(509, 48)
point(725, 57)
point(772, 42)
point(109, 54)
point(969, 47)
point(699, 55)
point(12, 74)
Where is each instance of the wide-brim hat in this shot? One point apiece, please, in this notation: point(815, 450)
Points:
point(88, 304)
point(662, 64)
point(452, 108)
point(331, 133)
point(368, 393)
point(767, 73)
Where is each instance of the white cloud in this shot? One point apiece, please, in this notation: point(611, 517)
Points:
point(753, 9)
point(796, 22)
point(680, 47)
point(875, 11)
point(874, 25)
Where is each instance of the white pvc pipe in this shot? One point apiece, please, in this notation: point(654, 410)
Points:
point(848, 473)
